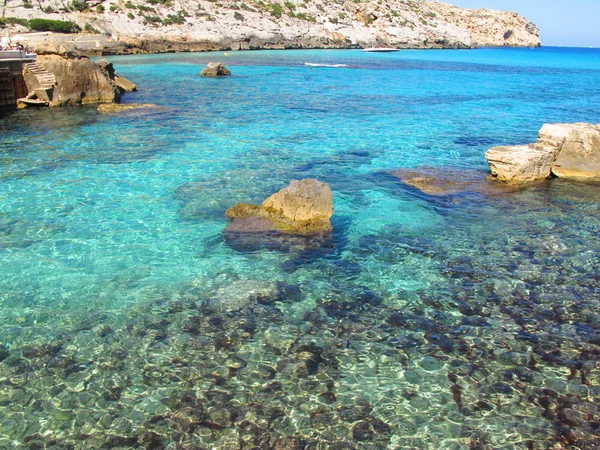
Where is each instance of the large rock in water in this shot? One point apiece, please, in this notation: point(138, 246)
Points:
point(569, 151)
point(520, 163)
point(78, 81)
point(215, 69)
point(303, 207)
point(579, 156)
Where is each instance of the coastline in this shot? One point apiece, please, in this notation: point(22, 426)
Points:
point(102, 45)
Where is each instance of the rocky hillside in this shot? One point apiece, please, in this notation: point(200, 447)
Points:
point(161, 25)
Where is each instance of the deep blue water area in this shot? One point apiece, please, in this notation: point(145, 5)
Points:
point(462, 321)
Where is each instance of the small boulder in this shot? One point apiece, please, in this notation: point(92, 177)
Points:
point(215, 69)
point(303, 207)
point(306, 203)
point(243, 293)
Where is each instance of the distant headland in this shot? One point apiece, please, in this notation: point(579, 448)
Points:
point(152, 26)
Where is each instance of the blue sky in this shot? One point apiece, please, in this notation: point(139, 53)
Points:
point(562, 22)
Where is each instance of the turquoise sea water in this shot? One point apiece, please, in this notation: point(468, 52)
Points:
point(464, 321)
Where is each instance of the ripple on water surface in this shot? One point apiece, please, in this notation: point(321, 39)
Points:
point(461, 321)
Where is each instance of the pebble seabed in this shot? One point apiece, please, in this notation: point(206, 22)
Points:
point(503, 353)
point(462, 321)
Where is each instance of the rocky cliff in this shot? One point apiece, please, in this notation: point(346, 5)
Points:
point(163, 25)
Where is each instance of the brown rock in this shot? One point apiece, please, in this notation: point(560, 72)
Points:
point(215, 69)
point(78, 81)
point(442, 181)
point(242, 210)
point(124, 84)
point(305, 203)
point(118, 107)
point(304, 207)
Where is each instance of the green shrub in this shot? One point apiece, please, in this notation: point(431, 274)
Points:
point(160, 2)
point(238, 16)
point(112, 8)
point(59, 26)
point(13, 21)
point(307, 17)
point(276, 9)
point(79, 5)
point(130, 16)
point(178, 19)
point(99, 9)
point(143, 9)
point(90, 29)
point(152, 20)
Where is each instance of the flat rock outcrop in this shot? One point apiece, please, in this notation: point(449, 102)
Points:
point(304, 207)
point(520, 163)
point(445, 182)
point(190, 25)
point(109, 108)
point(215, 69)
point(570, 151)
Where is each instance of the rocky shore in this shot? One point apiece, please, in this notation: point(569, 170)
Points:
point(183, 25)
point(567, 151)
point(61, 77)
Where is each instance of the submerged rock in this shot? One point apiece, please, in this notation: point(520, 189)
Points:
point(242, 293)
point(447, 181)
point(304, 207)
point(215, 69)
point(119, 107)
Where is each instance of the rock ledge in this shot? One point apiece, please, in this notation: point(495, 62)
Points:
point(570, 151)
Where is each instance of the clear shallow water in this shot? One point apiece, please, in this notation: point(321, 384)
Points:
point(464, 321)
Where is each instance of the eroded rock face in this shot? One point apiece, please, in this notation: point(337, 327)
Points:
point(78, 81)
point(520, 163)
point(215, 69)
point(303, 207)
point(489, 28)
point(343, 24)
point(579, 156)
point(570, 151)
